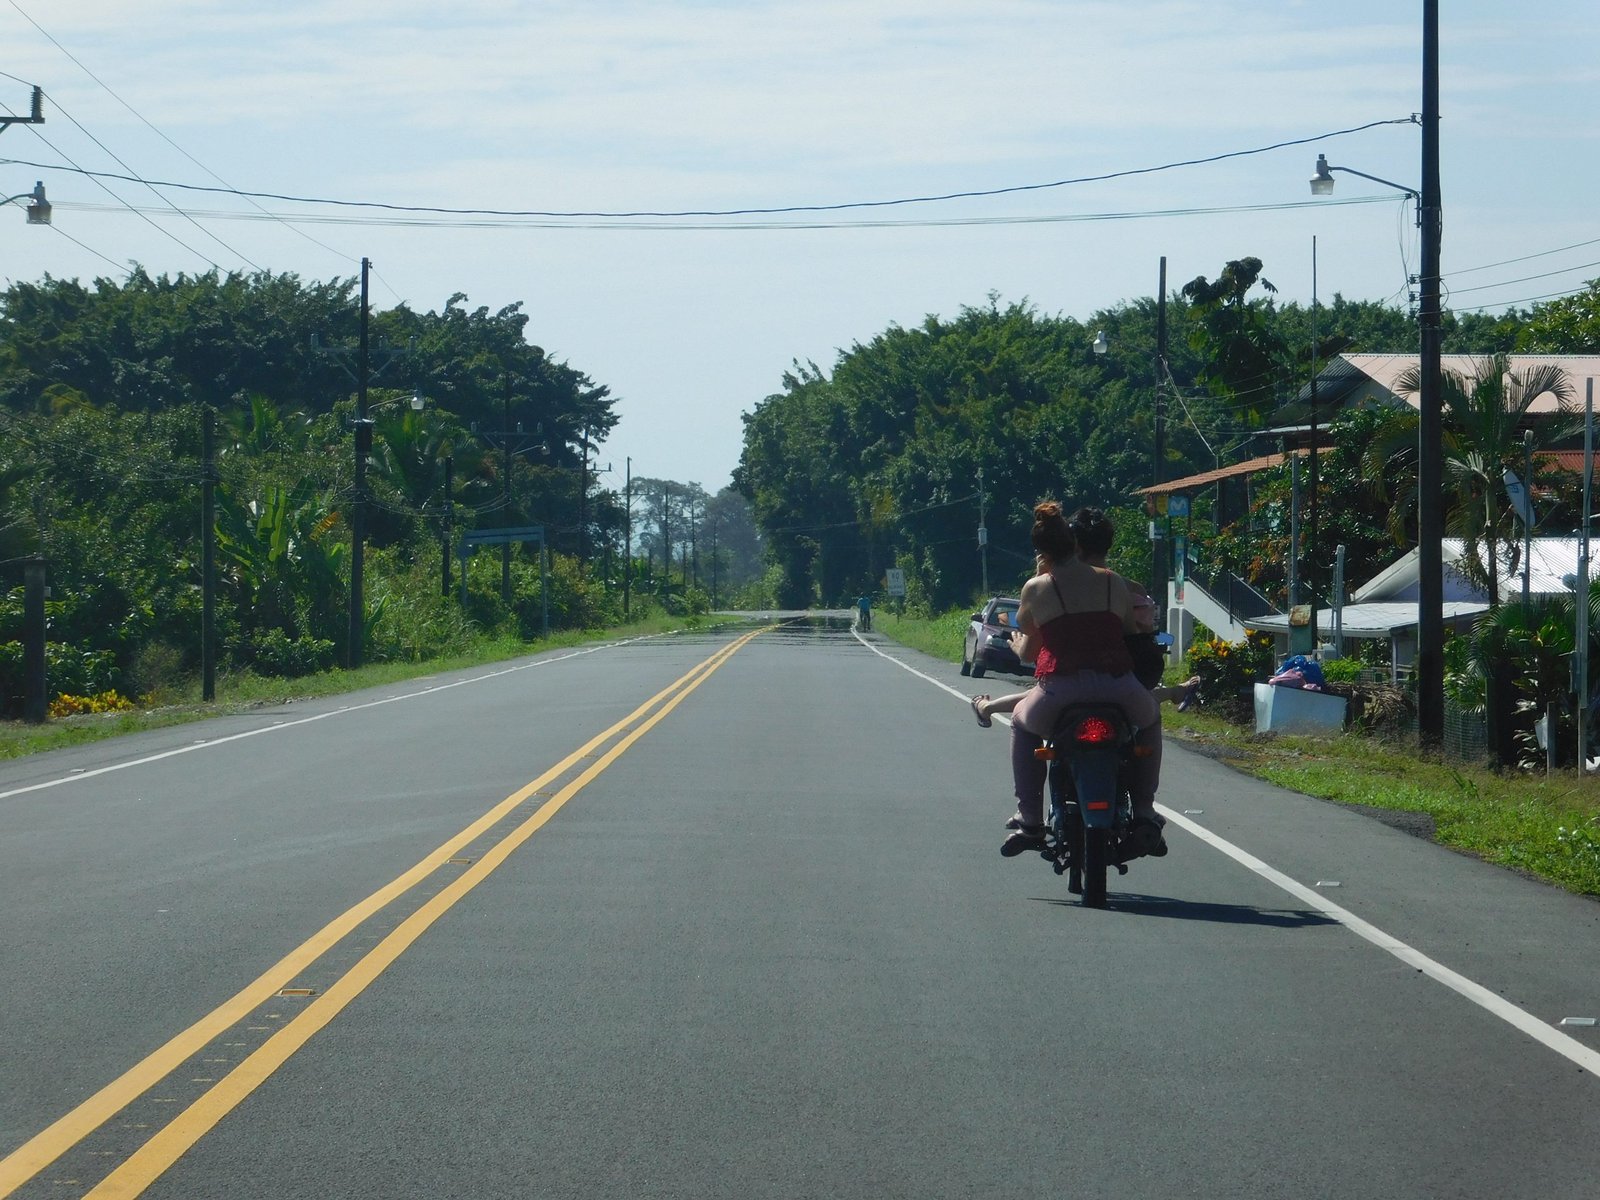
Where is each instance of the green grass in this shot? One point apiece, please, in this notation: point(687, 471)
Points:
point(1547, 827)
point(941, 636)
point(239, 692)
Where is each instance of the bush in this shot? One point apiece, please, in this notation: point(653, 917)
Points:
point(273, 652)
point(73, 706)
point(1342, 670)
point(1229, 670)
point(157, 669)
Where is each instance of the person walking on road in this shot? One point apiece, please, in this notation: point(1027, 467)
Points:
point(864, 613)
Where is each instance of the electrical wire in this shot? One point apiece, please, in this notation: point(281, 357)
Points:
point(1484, 287)
point(95, 177)
point(168, 203)
point(744, 212)
point(741, 226)
point(149, 125)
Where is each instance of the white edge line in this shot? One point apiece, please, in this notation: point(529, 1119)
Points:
point(1518, 1018)
point(280, 726)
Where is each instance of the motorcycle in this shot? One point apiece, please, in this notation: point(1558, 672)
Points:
point(1092, 826)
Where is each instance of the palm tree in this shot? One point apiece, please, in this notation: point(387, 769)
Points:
point(1484, 415)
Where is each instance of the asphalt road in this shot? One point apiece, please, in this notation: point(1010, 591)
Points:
point(694, 916)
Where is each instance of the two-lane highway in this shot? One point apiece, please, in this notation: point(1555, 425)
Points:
point(723, 914)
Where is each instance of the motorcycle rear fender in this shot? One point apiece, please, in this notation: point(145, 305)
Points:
point(1094, 778)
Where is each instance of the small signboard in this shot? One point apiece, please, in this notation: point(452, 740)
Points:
point(1178, 506)
point(894, 582)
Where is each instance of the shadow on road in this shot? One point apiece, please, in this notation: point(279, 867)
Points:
point(1188, 910)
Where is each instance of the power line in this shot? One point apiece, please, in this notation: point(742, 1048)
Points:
point(158, 195)
point(747, 212)
point(149, 125)
point(96, 176)
point(742, 226)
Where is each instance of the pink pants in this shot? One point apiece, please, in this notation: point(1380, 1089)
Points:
point(1036, 715)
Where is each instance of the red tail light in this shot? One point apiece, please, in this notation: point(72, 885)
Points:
point(1094, 731)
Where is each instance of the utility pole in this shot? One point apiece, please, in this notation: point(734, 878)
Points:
point(34, 117)
point(449, 516)
point(208, 553)
point(358, 509)
point(713, 560)
point(1580, 641)
point(1430, 455)
point(1309, 582)
point(362, 377)
point(1158, 543)
point(983, 532)
point(505, 487)
point(583, 502)
point(694, 541)
point(627, 535)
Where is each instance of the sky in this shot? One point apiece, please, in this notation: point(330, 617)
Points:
point(695, 106)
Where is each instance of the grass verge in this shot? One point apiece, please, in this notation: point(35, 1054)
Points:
point(1546, 827)
point(243, 691)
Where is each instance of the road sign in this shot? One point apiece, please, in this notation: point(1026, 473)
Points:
point(895, 582)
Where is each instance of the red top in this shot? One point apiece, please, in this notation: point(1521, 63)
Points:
point(1083, 641)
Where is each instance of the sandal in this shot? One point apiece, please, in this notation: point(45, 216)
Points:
point(1191, 697)
point(984, 720)
point(1025, 837)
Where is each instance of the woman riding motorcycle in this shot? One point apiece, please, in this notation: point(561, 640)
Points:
point(1077, 616)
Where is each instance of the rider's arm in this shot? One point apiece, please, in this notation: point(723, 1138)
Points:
point(1025, 618)
point(1122, 604)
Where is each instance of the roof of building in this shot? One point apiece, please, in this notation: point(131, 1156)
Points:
point(1348, 372)
point(1378, 619)
point(1550, 561)
point(1191, 483)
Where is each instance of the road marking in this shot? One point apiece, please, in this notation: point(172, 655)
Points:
point(1540, 1031)
point(51, 1143)
point(78, 774)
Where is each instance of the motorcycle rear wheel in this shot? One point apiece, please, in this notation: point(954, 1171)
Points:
point(1072, 834)
point(1095, 854)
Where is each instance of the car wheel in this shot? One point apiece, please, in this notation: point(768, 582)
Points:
point(966, 665)
point(978, 668)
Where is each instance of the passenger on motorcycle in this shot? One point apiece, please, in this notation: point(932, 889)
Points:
point(1077, 615)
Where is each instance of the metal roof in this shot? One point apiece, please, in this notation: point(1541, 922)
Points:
point(1381, 619)
point(1347, 373)
point(1190, 483)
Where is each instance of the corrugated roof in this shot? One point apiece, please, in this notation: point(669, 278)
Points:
point(1379, 619)
point(1343, 374)
point(1191, 483)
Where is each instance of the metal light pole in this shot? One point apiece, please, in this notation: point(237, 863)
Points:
point(1429, 667)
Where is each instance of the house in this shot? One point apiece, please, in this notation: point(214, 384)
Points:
point(1385, 606)
point(1352, 380)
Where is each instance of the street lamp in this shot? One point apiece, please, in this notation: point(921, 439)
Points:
point(1101, 346)
point(39, 210)
point(1322, 182)
point(1430, 431)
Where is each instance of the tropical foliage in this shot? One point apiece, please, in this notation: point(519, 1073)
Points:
point(104, 393)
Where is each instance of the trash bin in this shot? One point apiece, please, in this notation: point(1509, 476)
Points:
point(1296, 710)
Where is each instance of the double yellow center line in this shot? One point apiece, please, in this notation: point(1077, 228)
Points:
point(147, 1163)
